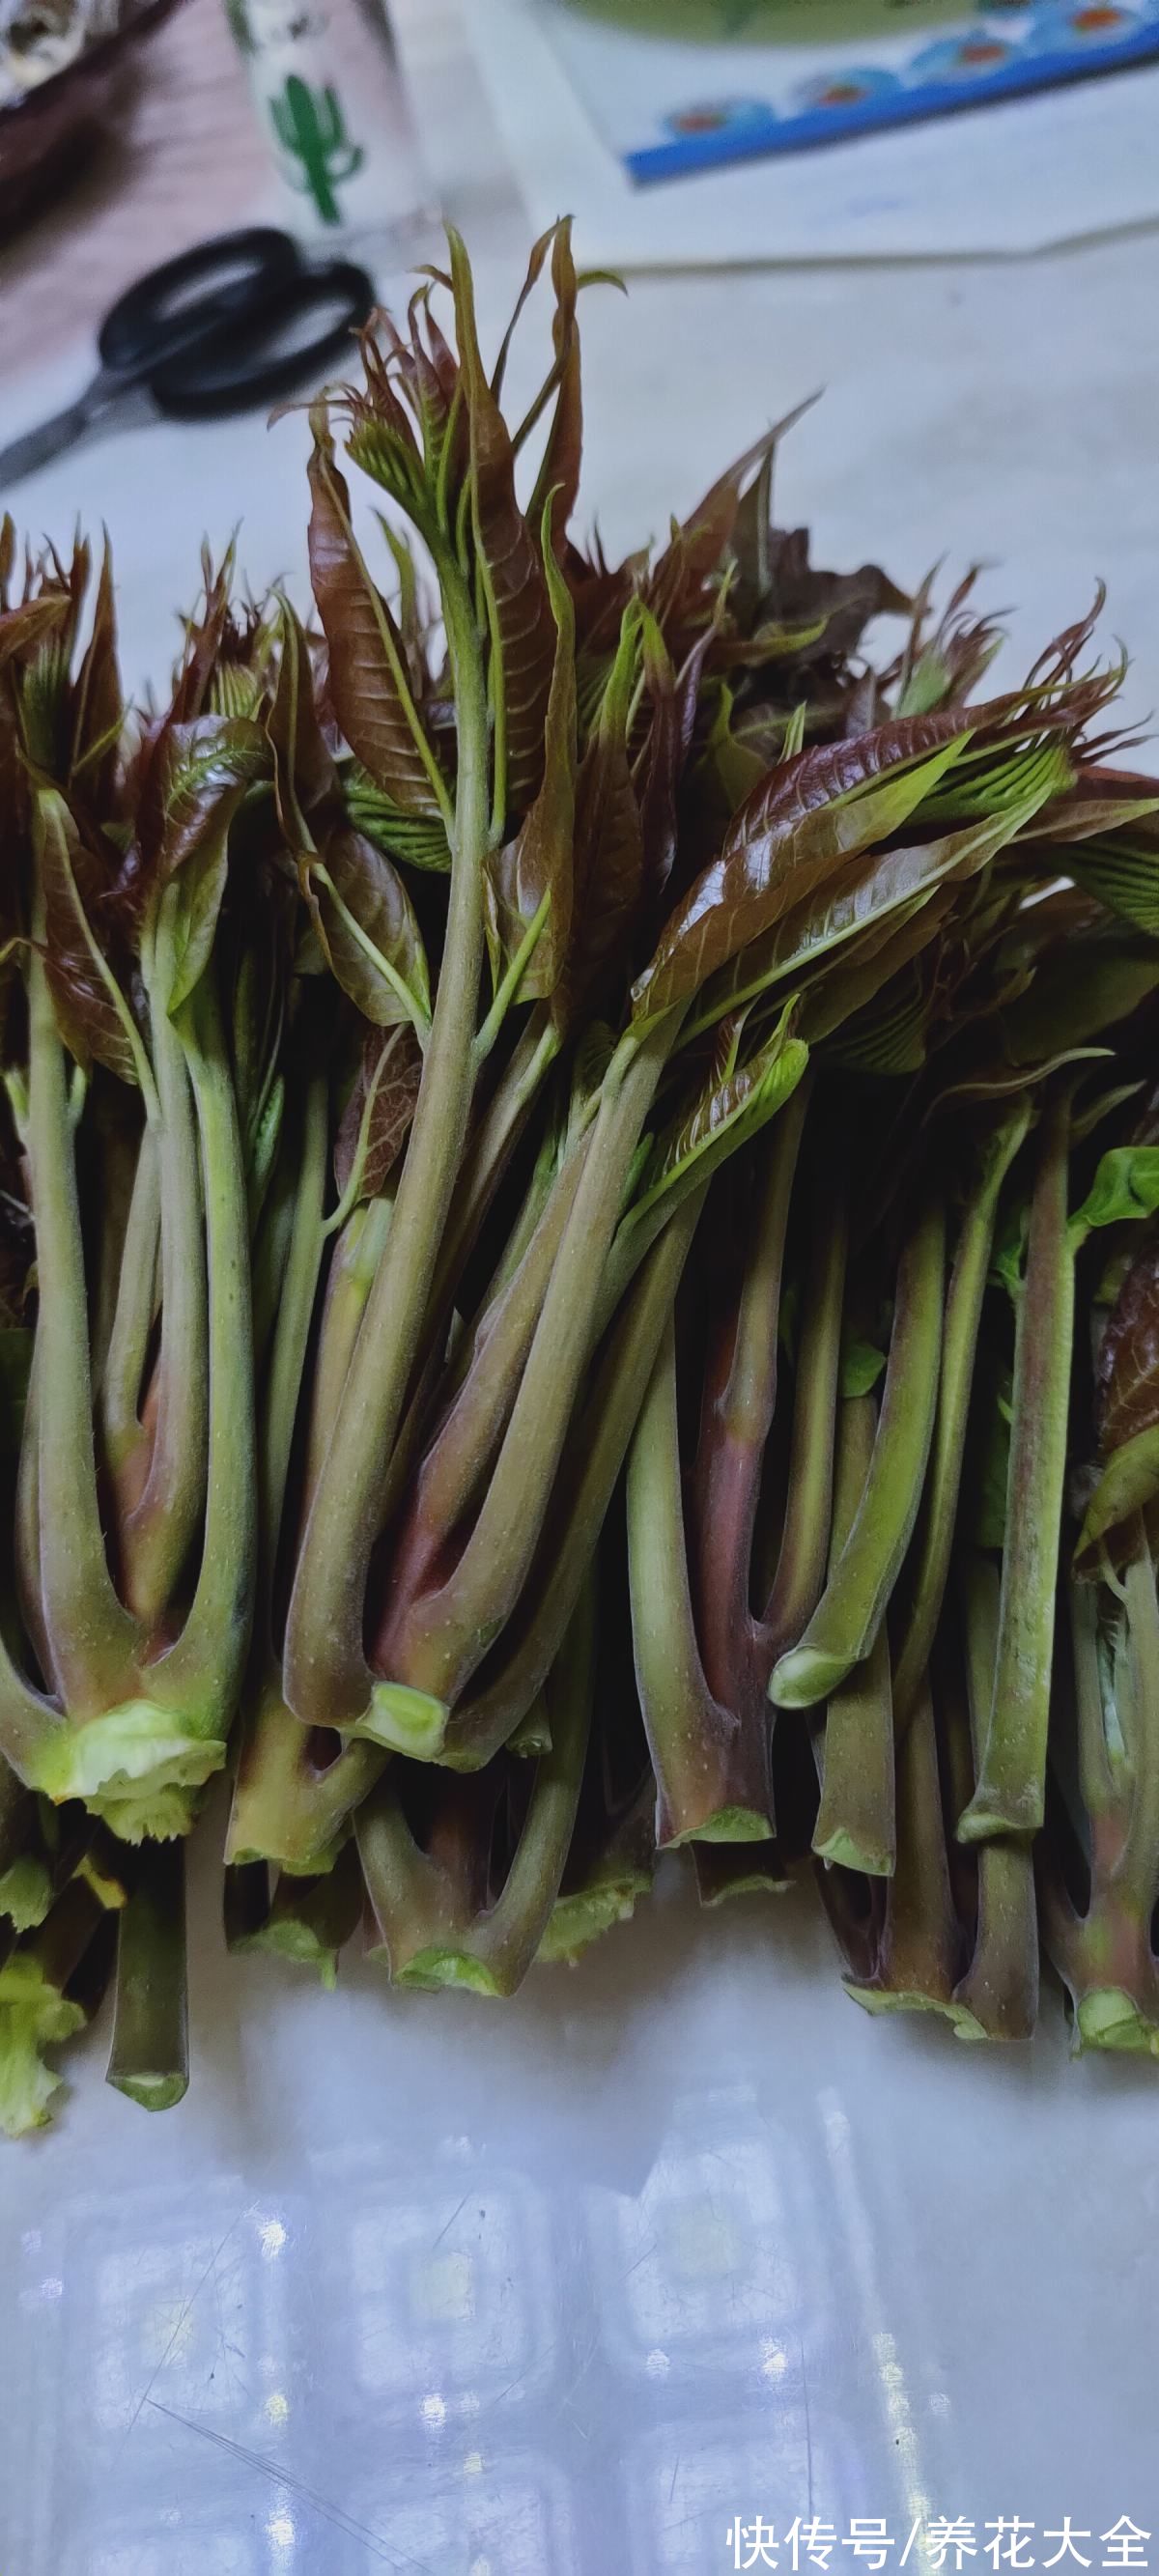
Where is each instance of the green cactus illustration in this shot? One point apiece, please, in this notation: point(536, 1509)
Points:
point(310, 127)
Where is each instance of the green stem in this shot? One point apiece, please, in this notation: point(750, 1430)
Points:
point(507, 990)
point(115, 1166)
point(848, 1617)
point(1136, 1878)
point(33, 1729)
point(271, 1250)
point(437, 1921)
point(800, 1574)
point(724, 1870)
point(1010, 1795)
point(447, 1635)
point(1096, 1784)
point(465, 1444)
point(418, 1907)
point(737, 1406)
point(349, 1281)
point(149, 2057)
point(328, 1680)
point(998, 1996)
point(17, 1817)
point(712, 1768)
point(124, 1371)
point(1105, 1954)
point(199, 1678)
point(283, 1388)
point(59, 1943)
point(535, 1200)
point(611, 1858)
point(918, 1960)
point(307, 1920)
point(523, 1909)
point(245, 1902)
point(159, 1533)
point(26, 1529)
point(467, 1438)
point(598, 1443)
point(855, 1821)
point(959, 1345)
point(91, 1638)
point(271, 1805)
point(502, 1124)
point(311, 1921)
point(288, 1808)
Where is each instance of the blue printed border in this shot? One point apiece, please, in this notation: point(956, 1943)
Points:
point(761, 134)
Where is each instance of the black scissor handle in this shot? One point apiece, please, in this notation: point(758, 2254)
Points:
point(262, 355)
point(186, 302)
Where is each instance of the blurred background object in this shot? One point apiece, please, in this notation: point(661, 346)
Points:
point(331, 101)
point(65, 67)
point(687, 133)
point(185, 152)
point(235, 323)
point(179, 158)
point(40, 37)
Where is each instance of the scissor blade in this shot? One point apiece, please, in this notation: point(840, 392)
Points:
point(39, 446)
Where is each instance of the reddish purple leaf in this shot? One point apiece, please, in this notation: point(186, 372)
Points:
point(523, 613)
point(367, 686)
point(1127, 1376)
point(204, 638)
point(304, 774)
point(366, 925)
point(30, 623)
point(841, 604)
point(75, 886)
point(97, 710)
point(658, 769)
point(197, 776)
point(1100, 801)
point(793, 835)
point(536, 261)
point(389, 1072)
point(609, 849)
point(559, 472)
point(539, 861)
point(428, 376)
point(1127, 1416)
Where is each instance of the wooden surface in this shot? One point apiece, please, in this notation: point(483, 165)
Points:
point(188, 159)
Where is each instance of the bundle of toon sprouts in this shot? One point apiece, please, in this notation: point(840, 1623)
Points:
point(579, 1253)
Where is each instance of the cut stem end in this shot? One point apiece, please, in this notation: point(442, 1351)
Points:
point(404, 1721)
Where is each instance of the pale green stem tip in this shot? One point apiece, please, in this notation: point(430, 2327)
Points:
point(843, 1850)
point(577, 1921)
point(1108, 2018)
point(153, 2092)
point(404, 1721)
point(994, 1817)
point(437, 1967)
point(132, 1766)
point(728, 1825)
point(806, 1675)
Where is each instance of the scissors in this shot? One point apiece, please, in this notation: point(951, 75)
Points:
point(215, 330)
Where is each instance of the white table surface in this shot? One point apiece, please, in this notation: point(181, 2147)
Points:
point(562, 2287)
